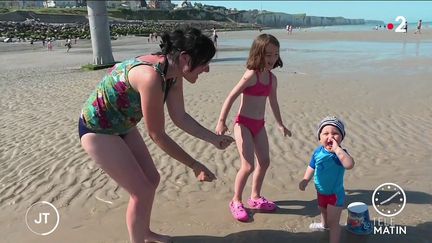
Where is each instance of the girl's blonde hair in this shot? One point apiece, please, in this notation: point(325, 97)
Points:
point(256, 60)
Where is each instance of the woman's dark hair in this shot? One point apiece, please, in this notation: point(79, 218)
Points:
point(256, 60)
point(192, 41)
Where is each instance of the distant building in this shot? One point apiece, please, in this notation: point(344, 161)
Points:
point(10, 4)
point(160, 4)
point(33, 4)
point(114, 4)
point(143, 4)
point(186, 4)
point(134, 5)
point(59, 4)
point(81, 3)
point(22, 4)
point(49, 4)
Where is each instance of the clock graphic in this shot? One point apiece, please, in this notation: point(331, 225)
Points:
point(389, 199)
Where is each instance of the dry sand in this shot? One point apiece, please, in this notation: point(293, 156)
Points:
point(389, 133)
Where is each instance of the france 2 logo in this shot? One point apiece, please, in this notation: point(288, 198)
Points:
point(402, 27)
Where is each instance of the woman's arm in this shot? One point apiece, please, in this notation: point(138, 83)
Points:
point(275, 108)
point(147, 82)
point(176, 109)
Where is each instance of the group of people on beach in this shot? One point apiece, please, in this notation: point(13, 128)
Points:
point(139, 88)
point(152, 37)
point(49, 44)
point(418, 28)
point(289, 29)
point(405, 27)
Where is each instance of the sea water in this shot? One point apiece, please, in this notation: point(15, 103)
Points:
point(325, 54)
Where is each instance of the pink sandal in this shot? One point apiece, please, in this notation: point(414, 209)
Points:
point(238, 211)
point(262, 204)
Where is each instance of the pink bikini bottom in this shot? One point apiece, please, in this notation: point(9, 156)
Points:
point(253, 125)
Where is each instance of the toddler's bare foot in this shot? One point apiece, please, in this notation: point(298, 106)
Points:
point(157, 238)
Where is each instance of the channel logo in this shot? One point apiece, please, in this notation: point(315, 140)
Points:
point(402, 27)
point(42, 218)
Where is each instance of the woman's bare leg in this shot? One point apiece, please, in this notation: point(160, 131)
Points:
point(139, 149)
point(115, 157)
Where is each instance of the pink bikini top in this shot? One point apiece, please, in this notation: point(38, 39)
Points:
point(259, 89)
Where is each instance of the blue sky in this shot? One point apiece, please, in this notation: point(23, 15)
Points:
point(386, 11)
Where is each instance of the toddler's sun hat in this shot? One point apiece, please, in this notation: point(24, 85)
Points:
point(334, 121)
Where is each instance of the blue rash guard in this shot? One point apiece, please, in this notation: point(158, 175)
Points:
point(329, 174)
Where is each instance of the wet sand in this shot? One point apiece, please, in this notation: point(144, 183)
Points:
point(388, 124)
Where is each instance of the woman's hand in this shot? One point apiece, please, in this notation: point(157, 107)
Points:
point(222, 141)
point(202, 173)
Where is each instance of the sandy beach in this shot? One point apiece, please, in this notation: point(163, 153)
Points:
point(385, 102)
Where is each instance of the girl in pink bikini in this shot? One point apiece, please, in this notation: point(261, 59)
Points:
point(257, 83)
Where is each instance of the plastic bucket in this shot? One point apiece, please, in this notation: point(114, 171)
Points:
point(358, 221)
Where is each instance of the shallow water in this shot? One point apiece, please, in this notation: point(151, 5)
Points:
point(348, 55)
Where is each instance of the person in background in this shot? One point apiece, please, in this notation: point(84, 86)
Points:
point(68, 44)
point(405, 27)
point(419, 27)
point(214, 37)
